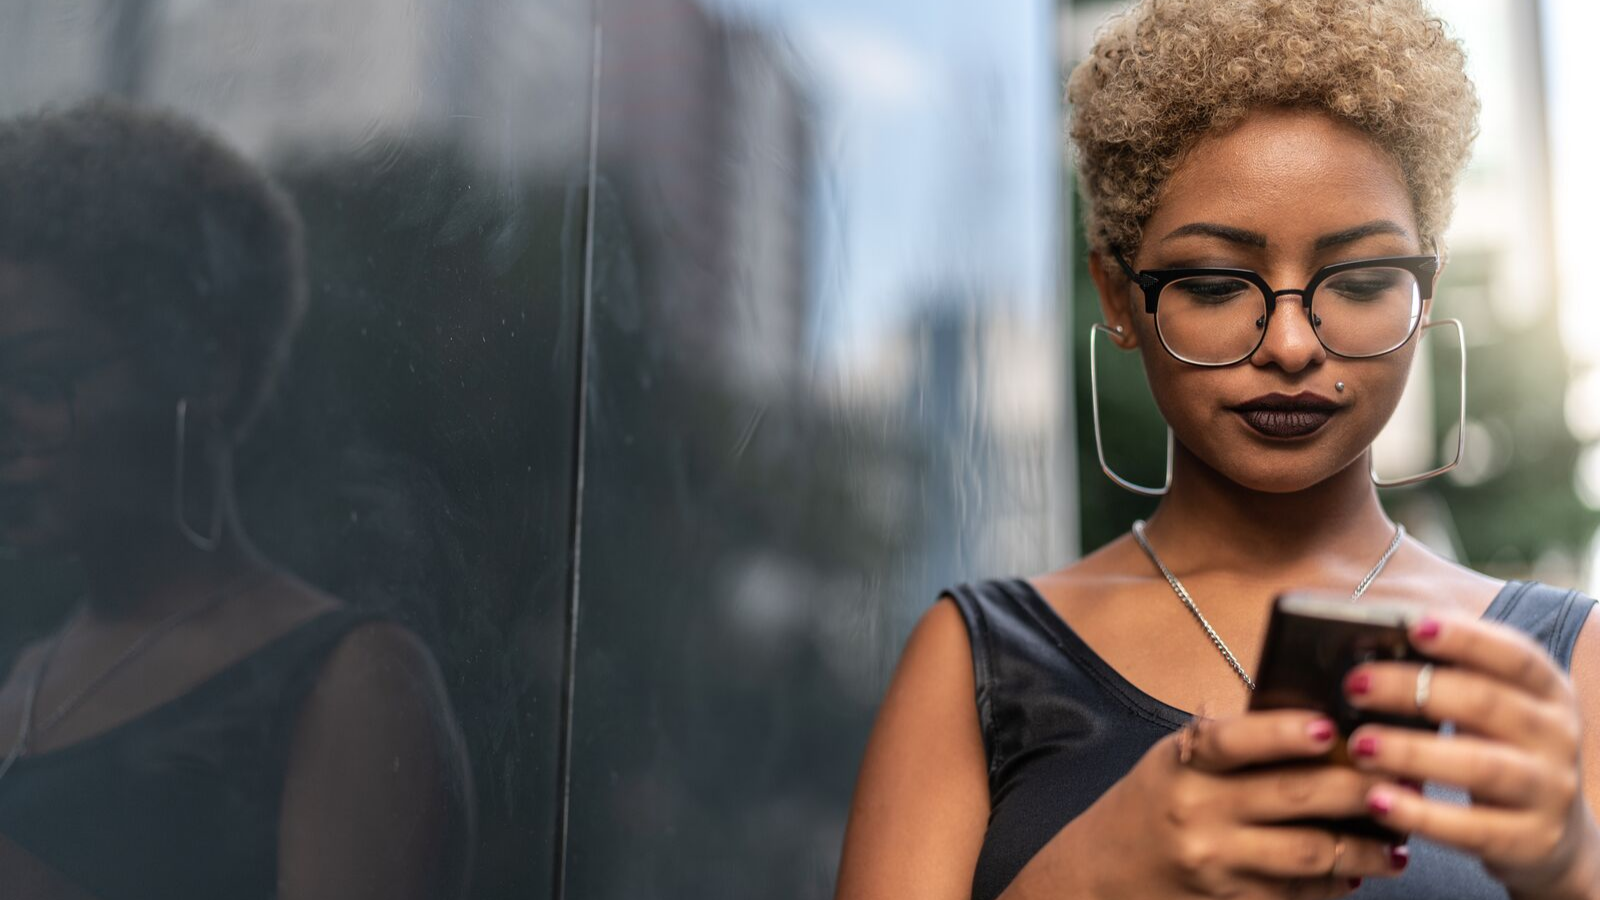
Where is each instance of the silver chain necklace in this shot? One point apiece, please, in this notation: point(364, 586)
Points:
point(1177, 588)
point(27, 730)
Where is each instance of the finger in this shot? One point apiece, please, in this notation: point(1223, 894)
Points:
point(1497, 650)
point(1477, 703)
point(1491, 771)
point(1501, 837)
point(1300, 792)
point(1223, 745)
point(1310, 853)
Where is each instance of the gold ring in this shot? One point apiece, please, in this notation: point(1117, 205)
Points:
point(1424, 686)
point(1338, 854)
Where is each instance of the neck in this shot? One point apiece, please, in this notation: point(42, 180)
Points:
point(142, 581)
point(1209, 521)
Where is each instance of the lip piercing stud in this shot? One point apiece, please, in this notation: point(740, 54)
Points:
point(1339, 387)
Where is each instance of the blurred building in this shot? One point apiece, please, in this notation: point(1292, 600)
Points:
point(706, 133)
point(337, 77)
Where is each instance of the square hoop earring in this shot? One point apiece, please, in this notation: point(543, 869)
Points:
point(1461, 418)
point(1099, 445)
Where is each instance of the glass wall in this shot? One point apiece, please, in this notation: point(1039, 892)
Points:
point(413, 460)
point(825, 381)
point(498, 448)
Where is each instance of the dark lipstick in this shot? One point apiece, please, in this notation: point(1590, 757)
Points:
point(1282, 416)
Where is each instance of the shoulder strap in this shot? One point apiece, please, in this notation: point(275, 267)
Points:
point(1551, 616)
point(975, 603)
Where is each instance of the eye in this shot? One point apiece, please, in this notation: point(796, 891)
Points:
point(1209, 290)
point(1365, 284)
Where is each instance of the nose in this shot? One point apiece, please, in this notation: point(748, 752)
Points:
point(1290, 342)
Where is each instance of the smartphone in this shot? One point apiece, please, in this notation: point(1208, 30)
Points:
point(1313, 641)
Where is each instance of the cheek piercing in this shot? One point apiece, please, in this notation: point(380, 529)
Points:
point(1339, 387)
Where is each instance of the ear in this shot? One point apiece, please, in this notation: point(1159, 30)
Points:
point(1112, 286)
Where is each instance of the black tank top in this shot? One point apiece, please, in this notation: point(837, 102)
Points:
point(182, 802)
point(1060, 727)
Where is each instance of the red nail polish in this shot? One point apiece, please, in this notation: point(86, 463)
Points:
point(1358, 683)
point(1320, 731)
point(1366, 745)
point(1355, 883)
point(1399, 857)
point(1380, 804)
point(1428, 629)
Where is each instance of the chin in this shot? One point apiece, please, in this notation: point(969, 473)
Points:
point(1282, 469)
point(1279, 482)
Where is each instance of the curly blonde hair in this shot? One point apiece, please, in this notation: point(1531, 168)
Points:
point(1168, 71)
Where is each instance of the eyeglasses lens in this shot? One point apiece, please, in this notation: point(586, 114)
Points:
point(1366, 312)
point(1211, 319)
point(35, 413)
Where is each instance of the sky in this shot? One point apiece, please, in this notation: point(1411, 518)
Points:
point(937, 135)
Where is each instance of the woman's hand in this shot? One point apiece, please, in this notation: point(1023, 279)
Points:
point(1214, 826)
point(1516, 752)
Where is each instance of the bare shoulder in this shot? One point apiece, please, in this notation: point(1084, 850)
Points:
point(933, 685)
point(378, 701)
point(380, 663)
point(941, 631)
point(378, 791)
point(921, 805)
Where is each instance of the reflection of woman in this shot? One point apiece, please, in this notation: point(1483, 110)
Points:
point(204, 725)
point(1267, 182)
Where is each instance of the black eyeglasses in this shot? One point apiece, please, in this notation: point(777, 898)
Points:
point(38, 413)
point(1218, 317)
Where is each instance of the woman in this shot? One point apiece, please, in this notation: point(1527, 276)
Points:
point(1309, 148)
point(204, 724)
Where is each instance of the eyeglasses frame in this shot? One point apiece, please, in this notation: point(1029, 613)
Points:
point(67, 384)
point(1153, 281)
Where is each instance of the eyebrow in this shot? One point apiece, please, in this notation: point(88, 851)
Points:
point(1351, 235)
point(1257, 240)
point(1226, 232)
